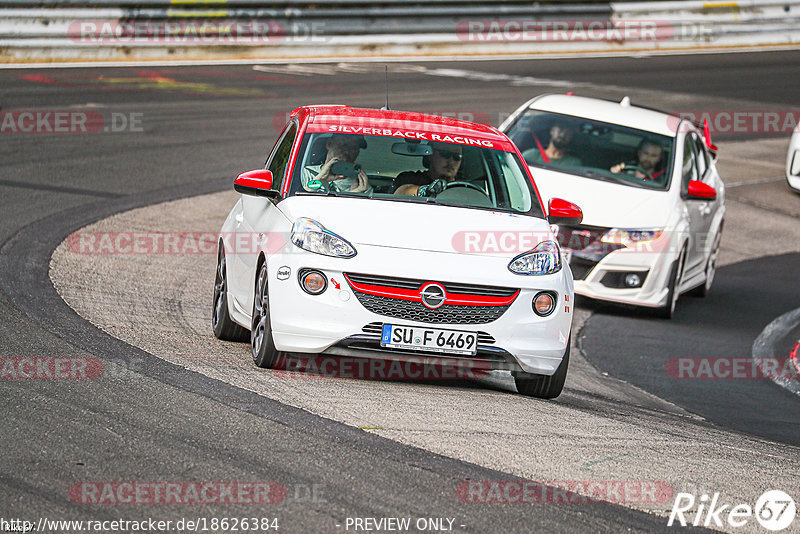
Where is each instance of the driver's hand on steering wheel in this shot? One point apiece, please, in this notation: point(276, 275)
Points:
point(432, 189)
point(617, 168)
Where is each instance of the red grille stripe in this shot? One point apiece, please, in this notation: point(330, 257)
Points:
point(413, 295)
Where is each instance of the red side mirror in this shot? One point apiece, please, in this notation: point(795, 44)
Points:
point(700, 191)
point(560, 211)
point(255, 183)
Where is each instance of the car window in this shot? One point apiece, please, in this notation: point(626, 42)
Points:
point(594, 149)
point(702, 155)
point(482, 177)
point(279, 159)
point(689, 168)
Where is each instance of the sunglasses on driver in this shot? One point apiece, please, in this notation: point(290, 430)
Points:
point(448, 154)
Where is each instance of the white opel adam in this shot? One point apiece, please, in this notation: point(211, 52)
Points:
point(309, 265)
point(652, 200)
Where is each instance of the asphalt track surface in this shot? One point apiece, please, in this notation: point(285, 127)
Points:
point(201, 125)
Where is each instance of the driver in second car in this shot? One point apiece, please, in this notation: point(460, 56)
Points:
point(442, 166)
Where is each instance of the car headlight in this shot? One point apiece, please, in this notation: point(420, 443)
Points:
point(544, 259)
point(626, 238)
point(310, 235)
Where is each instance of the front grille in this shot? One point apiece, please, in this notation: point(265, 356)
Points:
point(376, 330)
point(416, 311)
point(414, 284)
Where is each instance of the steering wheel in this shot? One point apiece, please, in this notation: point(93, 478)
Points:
point(464, 184)
point(632, 169)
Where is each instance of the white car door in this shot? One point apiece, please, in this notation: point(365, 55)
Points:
point(701, 212)
point(252, 228)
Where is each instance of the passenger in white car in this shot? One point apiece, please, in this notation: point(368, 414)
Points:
point(340, 148)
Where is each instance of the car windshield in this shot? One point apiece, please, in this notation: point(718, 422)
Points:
point(375, 167)
point(593, 149)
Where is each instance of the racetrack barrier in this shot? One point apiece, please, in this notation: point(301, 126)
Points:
point(34, 30)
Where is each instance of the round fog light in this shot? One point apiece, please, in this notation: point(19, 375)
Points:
point(544, 304)
point(313, 282)
point(633, 280)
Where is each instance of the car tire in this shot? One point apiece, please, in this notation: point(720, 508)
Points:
point(711, 268)
point(262, 345)
point(676, 274)
point(543, 386)
point(221, 323)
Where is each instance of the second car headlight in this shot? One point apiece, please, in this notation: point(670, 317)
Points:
point(310, 235)
point(619, 236)
point(544, 259)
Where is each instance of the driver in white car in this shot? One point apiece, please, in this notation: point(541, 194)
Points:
point(340, 148)
point(648, 158)
point(442, 166)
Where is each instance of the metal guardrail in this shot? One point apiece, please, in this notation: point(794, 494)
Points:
point(61, 28)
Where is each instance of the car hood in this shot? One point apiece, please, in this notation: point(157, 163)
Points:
point(606, 204)
point(426, 227)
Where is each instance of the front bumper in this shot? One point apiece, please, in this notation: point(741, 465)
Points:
point(601, 279)
point(334, 322)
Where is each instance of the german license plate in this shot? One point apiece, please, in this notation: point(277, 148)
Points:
point(431, 339)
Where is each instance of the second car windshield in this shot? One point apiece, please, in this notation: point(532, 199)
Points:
point(594, 149)
point(394, 168)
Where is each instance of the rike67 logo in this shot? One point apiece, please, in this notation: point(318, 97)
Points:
point(774, 510)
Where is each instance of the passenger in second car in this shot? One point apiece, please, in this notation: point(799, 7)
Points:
point(442, 166)
point(557, 150)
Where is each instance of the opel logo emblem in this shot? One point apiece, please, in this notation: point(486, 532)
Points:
point(433, 295)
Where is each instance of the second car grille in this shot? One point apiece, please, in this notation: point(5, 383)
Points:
point(416, 311)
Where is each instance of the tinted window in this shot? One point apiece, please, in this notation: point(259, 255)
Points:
point(702, 155)
point(593, 149)
point(689, 167)
point(280, 157)
point(483, 177)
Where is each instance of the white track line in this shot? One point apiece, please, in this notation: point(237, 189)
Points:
point(394, 59)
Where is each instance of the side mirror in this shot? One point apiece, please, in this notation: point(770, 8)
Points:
point(256, 183)
point(560, 211)
point(700, 191)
